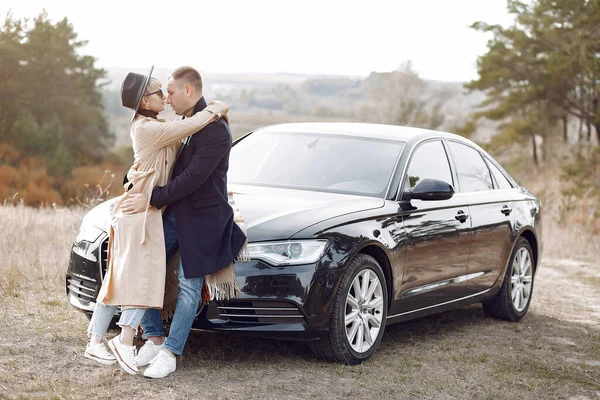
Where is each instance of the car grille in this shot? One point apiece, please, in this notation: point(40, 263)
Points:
point(84, 289)
point(104, 257)
point(270, 312)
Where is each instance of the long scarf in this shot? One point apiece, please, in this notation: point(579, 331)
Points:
point(243, 255)
point(222, 285)
point(171, 290)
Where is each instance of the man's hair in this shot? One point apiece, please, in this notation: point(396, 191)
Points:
point(188, 75)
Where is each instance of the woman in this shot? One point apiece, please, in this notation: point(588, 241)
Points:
point(135, 277)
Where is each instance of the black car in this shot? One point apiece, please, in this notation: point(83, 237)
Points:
point(355, 226)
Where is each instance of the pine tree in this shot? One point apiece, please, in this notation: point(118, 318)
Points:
point(53, 86)
point(543, 68)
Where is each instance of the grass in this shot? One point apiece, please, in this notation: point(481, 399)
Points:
point(461, 354)
point(35, 246)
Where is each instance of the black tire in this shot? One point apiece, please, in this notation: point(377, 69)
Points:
point(336, 347)
point(502, 306)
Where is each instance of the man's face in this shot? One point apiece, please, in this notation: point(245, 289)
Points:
point(178, 96)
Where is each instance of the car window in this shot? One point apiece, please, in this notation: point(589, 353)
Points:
point(319, 162)
point(429, 162)
point(473, 173)
point(501, 180)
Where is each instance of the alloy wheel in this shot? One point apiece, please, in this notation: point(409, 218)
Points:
point(521, 279)
point(364, 310)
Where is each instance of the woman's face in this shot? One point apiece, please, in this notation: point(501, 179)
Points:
point(155, 101)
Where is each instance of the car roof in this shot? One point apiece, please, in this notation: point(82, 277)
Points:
point(376, 131)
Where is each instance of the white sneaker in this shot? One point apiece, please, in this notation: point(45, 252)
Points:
point(161, 366)
point(125, 355)
point(147, 352)
point(98, 353)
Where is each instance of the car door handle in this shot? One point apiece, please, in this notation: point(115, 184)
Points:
point(461, 216)
point(506, 210)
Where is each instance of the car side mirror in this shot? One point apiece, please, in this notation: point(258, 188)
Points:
point(430, 189)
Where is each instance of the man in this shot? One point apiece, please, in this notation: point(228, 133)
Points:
point(196, 196)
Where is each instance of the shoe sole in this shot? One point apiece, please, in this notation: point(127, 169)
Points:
point(99, 360)
point(142, 365)
point(148, 363)
point(120, 360)
point(145, 364)
point(157, 377)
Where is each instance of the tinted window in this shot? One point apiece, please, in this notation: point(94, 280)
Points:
point(331, 163)
point(501, 180)
point(473, 173)
point(429, 162)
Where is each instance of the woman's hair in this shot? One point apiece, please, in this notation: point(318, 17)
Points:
point(153, 85)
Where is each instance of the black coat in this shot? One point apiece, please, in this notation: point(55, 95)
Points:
point(209, 240)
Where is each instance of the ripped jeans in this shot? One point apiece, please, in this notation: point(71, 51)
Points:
point(188, 299)
point(102, 316)
point(133, 317)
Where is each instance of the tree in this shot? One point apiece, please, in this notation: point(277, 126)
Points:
point(12, 34)
point(543, 68)
point(51, 111)
point(51, 84)
point(569, 30)
point(403, 98)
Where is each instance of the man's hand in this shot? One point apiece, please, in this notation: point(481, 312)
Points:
point(135, 203)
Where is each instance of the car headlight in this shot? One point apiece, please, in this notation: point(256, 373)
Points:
point(289, 252)
point(88, 233)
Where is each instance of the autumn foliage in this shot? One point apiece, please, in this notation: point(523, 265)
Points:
point(55, 141)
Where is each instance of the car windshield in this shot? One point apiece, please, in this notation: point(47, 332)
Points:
point(320, 162)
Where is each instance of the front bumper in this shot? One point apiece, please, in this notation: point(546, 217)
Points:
point(87, 265)
point(292, 302)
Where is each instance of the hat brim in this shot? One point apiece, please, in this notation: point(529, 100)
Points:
point(141, 92)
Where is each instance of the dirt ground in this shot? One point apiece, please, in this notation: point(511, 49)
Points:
point(553, 353)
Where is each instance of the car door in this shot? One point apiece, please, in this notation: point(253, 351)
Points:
point(490, 209)
point(437, 250)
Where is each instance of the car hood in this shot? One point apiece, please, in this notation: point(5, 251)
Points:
point(99, 216)
point(273, 213)
point(277, 214)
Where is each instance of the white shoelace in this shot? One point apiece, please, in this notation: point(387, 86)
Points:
point(160, 354)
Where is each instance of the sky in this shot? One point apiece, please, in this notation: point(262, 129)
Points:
point(328, 37)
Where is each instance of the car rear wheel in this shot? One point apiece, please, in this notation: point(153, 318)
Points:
point(358, 315)
point(513, 300)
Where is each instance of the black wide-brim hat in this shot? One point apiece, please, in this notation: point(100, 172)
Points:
point(133, 89)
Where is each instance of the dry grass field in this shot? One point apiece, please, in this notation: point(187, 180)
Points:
point(553, 353)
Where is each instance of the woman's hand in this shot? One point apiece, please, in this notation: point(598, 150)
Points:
point(135, 203)
point(221, 109)
point(131, 173)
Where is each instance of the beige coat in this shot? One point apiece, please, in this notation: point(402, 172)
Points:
point(135, 275)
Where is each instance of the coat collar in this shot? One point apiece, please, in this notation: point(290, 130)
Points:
point(200, 105)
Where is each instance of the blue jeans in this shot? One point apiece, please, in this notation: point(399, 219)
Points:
point(170, 231)
point(187, 300)
point(102, 316)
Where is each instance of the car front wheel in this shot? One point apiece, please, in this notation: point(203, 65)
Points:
point(358, 315)
point(512, 301)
